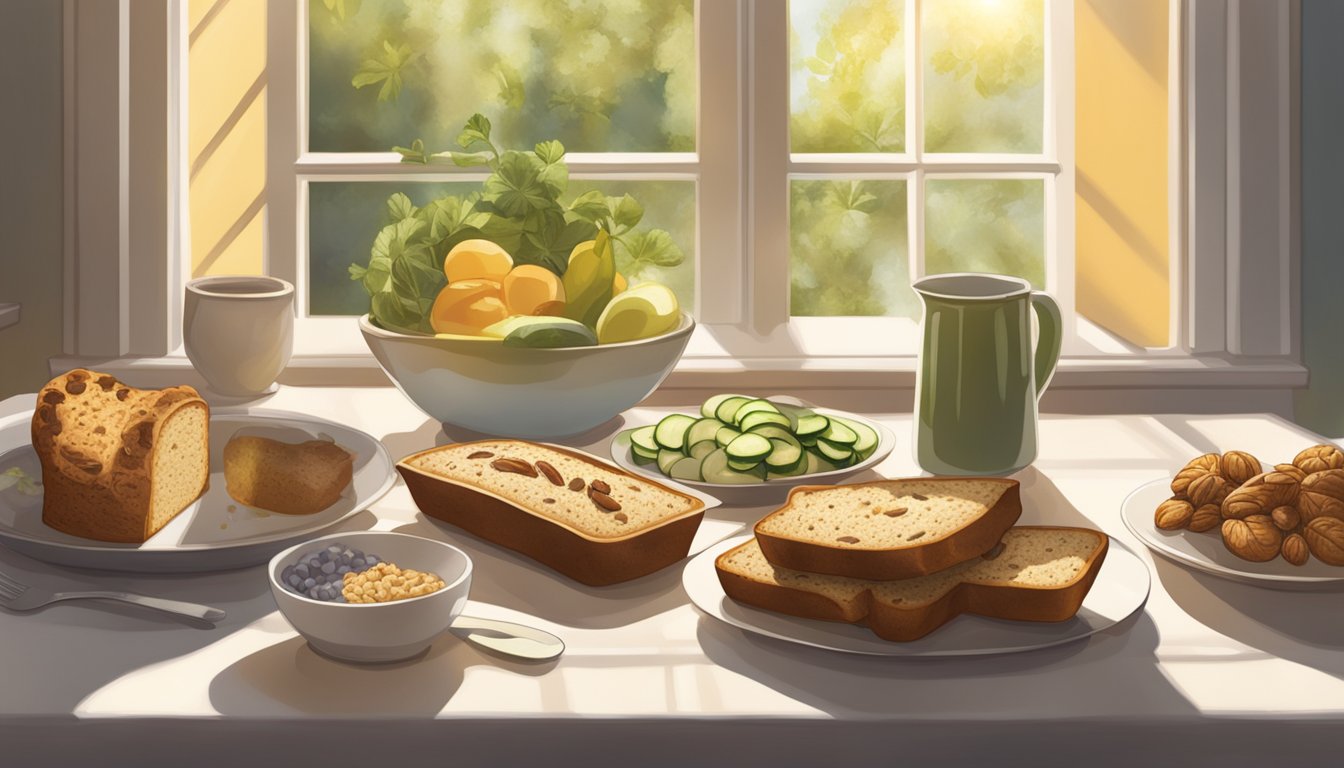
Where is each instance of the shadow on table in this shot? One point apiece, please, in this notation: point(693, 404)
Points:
point(67, 651)
point(1044, 504)
point(433, 433)
point(1302, 627)
point(1119, 660)
point(505, 578)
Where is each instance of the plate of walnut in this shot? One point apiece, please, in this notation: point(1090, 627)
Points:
point(1230, 515)
point(103, 475)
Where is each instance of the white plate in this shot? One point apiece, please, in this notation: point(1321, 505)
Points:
point(215, 532)
point(769, 490)
point(1120, 590)
point(1205, 551)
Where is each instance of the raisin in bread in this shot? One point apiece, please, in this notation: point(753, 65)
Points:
point(289, 478)
point(118, 463)
point(1036, 574)
point(889, 529)
point(587, 519)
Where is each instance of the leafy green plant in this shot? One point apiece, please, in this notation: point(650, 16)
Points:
point(519, 207)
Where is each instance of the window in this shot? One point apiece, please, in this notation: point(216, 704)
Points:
point(833, 150)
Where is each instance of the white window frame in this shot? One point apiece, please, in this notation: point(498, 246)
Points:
point(1234, 253)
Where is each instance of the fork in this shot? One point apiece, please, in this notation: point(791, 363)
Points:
point(17, 596)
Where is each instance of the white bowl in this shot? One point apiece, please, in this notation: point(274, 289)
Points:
point(378, 632)
point(485, 386)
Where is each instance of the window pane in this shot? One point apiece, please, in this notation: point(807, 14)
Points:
point(345, 217)
point(847, 75)
point(599, 75)
point(848, 253)
point(984, 62)
point(983, 225)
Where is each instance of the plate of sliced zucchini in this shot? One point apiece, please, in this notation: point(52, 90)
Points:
point(741, 441)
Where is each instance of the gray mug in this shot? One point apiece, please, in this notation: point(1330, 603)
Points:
point(238, 331)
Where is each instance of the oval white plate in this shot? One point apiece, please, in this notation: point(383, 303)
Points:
point(215, 532)
point(1120, 590)
point(769, 490)
point(1205, 551)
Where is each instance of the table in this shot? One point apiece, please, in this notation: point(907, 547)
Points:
point(1210, 671)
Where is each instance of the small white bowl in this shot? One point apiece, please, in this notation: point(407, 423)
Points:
point(485, 386)
point(377, 632)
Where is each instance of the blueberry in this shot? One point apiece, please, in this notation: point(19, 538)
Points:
point(313, 593)
point(356, 555)
point(344, 569)
point(293, 580)
point(302, 570)
point(309, 583)
point(357, 564)
point(325, 556)
point(328, 567)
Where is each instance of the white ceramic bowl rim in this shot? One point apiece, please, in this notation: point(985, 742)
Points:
point(258, 287)
point(686, 325)
point(273, 566)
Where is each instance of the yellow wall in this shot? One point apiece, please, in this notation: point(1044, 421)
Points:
point(226, 135)
point(1121, 185)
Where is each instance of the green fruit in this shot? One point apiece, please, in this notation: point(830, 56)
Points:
point(588, 279)
point(548, 332)
point(645, 310)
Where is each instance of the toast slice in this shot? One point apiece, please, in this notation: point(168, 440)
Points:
point(889, 529)
point(1039, 574)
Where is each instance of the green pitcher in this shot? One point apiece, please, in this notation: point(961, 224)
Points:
point(978, 381)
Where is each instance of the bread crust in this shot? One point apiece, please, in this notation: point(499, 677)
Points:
point(587, 559)
point(96, 476)
point(974, 540)
point(890, 622)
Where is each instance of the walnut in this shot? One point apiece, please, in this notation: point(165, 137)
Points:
point(1173, 514)
point(1208, 464)
point(1294, 549)
point(1206, 518)
point(1325, 539)
point(1319, 458)
point(1260, 495)
point(1207, 489)
point(1286, 518)
point(1322, 495)
point(1253, 538)
point(1291, 469)
point(1239, 466)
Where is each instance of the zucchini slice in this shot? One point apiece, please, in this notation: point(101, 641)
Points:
point(671, 431)
point(635, 450)
point(725, 436)
point(667, 458)
point(839, 454)
point(715, 469)
point(811, 424)
point(756, 418)
point(817, 463)
point(785, 457)
point(742, 466)
point(754, 406)
point(703, 448)
point(712, 404)
point(839, 434)
point(773, 431)
point(867, 436)
point(749, 447)
point(704, 429)
point(642, 438)
point(686, 468)
point(728, 408)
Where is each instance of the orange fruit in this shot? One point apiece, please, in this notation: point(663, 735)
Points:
point(467, 306)
point(530, 289)
point(477, 260)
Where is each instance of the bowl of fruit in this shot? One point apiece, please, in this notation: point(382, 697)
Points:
point(522, 351)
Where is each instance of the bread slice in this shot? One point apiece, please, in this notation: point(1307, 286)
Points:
point(118, 463)
point(1039, 574)
point(889, 529)
point(587, 519)
point(288, 478)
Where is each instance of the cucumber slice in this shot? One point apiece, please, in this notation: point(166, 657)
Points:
point(703, 448)
point(712, 404)
point(867, 436)
point(643, 438)
point(667, 458)
point(641, 459)
point(742, 466)
point(839, 454)
point(785, 457)
point(797, 471)
point(773, 431)
point(715, 469)
point(755, 406)
point(817, 463)
point(728, 408)
point(644, 454)
point(685, 469)
point(671, 431)
point(811, 424)
point(749, 447)
point(839, 434)
point(757, 418)
point(725, 435)
point(704, 429)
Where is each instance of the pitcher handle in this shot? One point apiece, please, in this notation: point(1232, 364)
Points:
point(1048, 341)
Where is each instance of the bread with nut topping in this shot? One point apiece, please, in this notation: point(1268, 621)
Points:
point(584, 517)
point(118, 463)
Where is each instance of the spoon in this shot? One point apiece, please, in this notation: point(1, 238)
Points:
point(508, 638)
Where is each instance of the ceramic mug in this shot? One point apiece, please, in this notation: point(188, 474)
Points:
point(239, 331)
point(979, 377)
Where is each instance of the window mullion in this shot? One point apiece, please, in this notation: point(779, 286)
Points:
point(286, 108)
point(768, 170)
point(914, 138)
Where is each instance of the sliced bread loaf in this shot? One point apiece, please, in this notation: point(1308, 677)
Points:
point(587, 519)
point(889, 529)
point(1037, 574)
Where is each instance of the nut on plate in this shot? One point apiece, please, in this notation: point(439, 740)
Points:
point(1319, 458)
point(1261, 495)
point(1206, 518)
point(1294, 549)
point(1239, 466)
point(1325, 539)
point(1253, 538)
point(1322, 495)
point(1173, 514)
point(1208, 464)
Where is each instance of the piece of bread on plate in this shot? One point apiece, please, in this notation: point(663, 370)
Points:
point(118, 463)
point(889, 529)
point(288, 478)
point(1039, 574)
point(587, 519)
